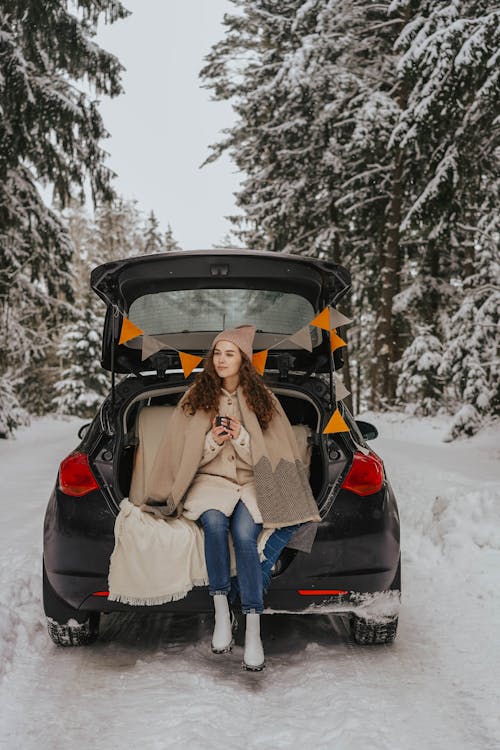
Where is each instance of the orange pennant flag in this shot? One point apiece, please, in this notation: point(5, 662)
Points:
point(259, 361)
point(322, 320)
point(189, 362)
point(335, 341)
point(129, 331)
point(336, 423)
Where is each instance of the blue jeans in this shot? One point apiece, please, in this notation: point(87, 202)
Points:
point(244, 532)
point(273, 549)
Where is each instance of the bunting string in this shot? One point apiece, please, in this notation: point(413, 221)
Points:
point(329, 319)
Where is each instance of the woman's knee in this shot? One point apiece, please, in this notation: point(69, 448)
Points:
point(214, 521)
point(244, 530)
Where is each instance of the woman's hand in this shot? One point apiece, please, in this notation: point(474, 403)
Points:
point(217, 431)
point(233, 429)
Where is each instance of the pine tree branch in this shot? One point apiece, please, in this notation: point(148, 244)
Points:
point(476, 230)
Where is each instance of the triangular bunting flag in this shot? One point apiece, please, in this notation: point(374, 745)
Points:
point(340, 389)
point(189, 362)
point(322, 320)
point(337, 319)
point(129, 331)
point(336, 424)
point(302, 338)
point(335, 341)
point(259, 361)
point(151, 345)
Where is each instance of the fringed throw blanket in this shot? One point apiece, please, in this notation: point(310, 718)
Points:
point(154, 561)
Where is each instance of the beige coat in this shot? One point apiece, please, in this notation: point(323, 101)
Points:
point(225, 474)
point(283, 493)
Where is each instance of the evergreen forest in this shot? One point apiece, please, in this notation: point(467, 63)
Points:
point(366, 133)
point(51, 138)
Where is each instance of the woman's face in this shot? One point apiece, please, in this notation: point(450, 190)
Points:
point(227, 359)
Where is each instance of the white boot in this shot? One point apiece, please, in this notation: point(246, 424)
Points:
point(222, 639)
point(253, 656)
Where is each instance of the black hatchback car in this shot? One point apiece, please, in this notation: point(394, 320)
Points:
point(182, 300)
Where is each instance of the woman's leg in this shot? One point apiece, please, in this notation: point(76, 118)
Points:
point(273, 549)
point(216, 526)
point(245, 532)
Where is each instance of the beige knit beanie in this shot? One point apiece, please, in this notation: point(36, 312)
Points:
point(242, 336)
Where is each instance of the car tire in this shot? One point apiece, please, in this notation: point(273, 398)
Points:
point(67, 626)
point(74, 633)
point(368, 632)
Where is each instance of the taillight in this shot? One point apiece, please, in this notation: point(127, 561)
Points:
point(75, 476)
point(366, 475)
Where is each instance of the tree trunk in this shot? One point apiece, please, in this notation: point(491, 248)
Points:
point(386, 343)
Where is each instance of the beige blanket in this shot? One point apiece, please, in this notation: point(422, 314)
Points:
point(154, 561)
point(157, 561)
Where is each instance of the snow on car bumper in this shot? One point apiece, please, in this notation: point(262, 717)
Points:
point(379, 606)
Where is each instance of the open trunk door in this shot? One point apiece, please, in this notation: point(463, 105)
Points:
point(184, 299)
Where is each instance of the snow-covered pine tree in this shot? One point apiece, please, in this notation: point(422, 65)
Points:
point(50, 133)
point(449, 134)
point(153, 241)
point(83, 383)
point(448, 61)
point(419, 386)
point(228, 241)
point(471, 361)
point(365, 131)
point(113, 232)
point(43, 368)
point(118, 231)
point(170, 244)
point(316, 107)
point(246, 67)
point(12, 415)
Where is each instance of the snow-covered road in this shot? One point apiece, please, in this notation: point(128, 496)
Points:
point(152, 680)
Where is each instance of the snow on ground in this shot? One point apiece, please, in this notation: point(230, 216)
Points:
point(152, 680)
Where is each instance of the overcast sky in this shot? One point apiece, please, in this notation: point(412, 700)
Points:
point(163, 124)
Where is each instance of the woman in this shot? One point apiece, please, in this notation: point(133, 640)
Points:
point(239, 477)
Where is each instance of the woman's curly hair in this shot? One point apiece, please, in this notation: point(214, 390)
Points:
point(207, 390)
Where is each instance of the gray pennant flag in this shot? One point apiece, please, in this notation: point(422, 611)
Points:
point(340, 389)
point(151, 345)
point(337, 319)
point(302, 338)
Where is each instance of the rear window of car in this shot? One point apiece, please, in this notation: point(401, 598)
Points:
point(199, 310)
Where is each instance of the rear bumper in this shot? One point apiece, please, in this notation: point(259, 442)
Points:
point(88, 592)
point(379, 603)
point(356, 550)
